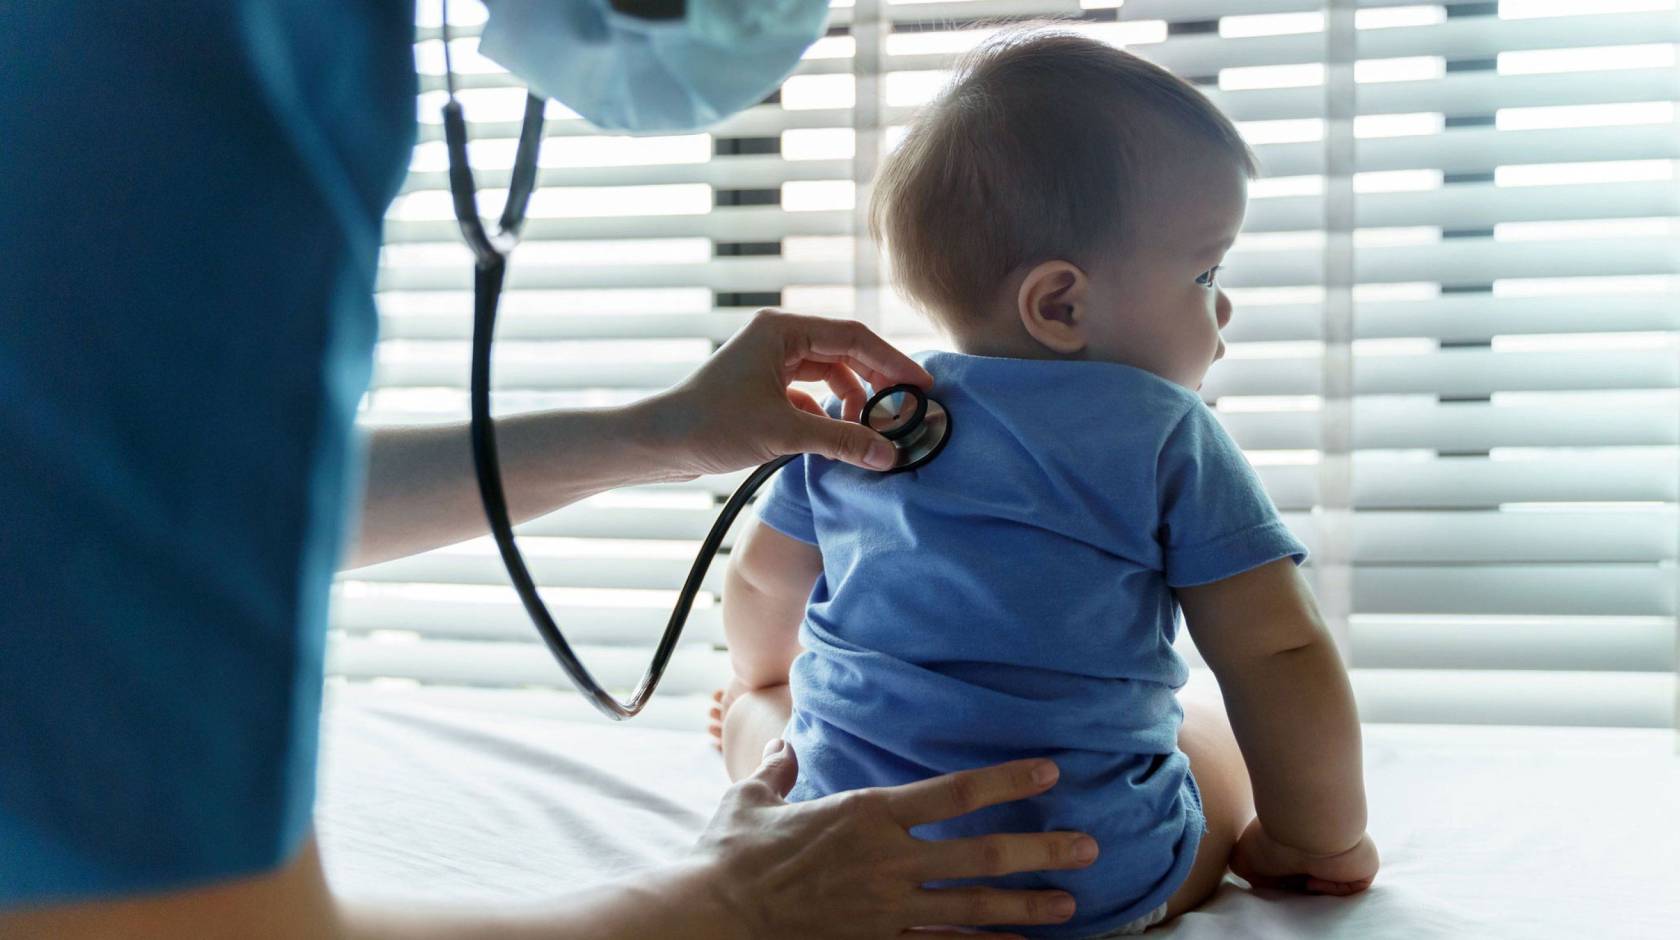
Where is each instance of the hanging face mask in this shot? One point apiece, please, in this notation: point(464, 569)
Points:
point(632, 75)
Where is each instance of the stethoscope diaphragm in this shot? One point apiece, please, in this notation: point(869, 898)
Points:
point(917, 426)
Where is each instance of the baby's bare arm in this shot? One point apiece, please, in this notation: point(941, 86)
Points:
point(1290, 704)
point(764, 593)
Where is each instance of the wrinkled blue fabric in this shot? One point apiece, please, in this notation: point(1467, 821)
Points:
point(1013, 598)
point(191, 196)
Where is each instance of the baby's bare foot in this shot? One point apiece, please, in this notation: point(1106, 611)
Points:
point(714, 720)
point(722, 699)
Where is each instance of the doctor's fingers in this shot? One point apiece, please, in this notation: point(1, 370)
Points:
point(939, 798)
point(822, 339)
point(802, 400)
point(840, 440)
point(841, 381)
point(996, 855)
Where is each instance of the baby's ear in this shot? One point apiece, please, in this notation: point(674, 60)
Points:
point(1052, 304)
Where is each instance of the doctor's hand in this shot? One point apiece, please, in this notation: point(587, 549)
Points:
point(846, 866)
point(737, 410)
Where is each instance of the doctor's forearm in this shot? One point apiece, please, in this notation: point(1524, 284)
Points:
point(421, 491)
point(676, 901)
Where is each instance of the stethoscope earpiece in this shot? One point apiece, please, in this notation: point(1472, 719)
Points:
point(917, 426)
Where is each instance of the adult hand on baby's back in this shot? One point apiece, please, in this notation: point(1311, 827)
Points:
point(738, 409)
point(846, 865)
point(1265, 862)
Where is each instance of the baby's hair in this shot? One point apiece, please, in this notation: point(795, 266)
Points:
point(1039, 148)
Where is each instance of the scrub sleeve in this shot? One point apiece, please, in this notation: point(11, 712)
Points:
point(190, 205)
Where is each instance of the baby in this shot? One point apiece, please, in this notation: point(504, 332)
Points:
point(1061, 211)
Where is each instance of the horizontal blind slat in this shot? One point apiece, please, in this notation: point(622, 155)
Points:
point(1453, 373)
point(1580, 589)
point(748, 172)
point(725, 224)
point(737, 274)
point(1644, 644)
point(1644, 700)
point(1461, 426)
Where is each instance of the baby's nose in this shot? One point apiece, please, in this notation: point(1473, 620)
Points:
point(1222, 309)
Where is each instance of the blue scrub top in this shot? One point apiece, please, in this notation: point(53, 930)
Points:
point(190, 204)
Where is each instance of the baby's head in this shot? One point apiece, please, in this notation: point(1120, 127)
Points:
point(1062, 198)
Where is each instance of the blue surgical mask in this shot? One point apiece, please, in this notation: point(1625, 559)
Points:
point(631, 75)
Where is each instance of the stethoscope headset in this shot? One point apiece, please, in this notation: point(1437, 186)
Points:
point(917, 426)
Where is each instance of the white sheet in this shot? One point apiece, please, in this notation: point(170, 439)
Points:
point(1487, 831)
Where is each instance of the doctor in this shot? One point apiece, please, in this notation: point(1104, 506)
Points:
point(191, 197)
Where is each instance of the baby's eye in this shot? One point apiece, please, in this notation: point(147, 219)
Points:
point(1210, 277)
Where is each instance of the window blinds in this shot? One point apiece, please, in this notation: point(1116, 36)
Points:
point(1454, 356)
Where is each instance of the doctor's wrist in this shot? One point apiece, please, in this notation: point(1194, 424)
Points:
point(703, 910)
point(661, 429)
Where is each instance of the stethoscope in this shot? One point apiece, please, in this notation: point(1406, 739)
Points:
point(918, 426)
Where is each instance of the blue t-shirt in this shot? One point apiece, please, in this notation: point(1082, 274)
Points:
point(1013, 598)
point(191, 197)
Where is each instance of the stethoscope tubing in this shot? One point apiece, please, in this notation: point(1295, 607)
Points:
point(489, 272)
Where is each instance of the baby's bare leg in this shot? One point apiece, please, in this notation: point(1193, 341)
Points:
point(754, 719)
point(1227, 794)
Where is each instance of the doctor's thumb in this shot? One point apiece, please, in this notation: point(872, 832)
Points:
point(847, 441)
point(780, 768)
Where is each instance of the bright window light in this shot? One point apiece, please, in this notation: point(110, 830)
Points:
point(1585, 286)
point(826, 300)
point(910, 89)
point(1303, 349)
point(1391, 237)
point(1271, 76)
point(428, 57)
point(1607, 171)
point(1591, 59)
point(936, 42)
point(1129, 33)
point(1398, 125)
point(575, 201)
point(429, 13)
point(818, 195)
point(1403, 69)
point(1397, 181)
point(1390, 17)
point(832, 47)
point(810, 92)
point(1267, 296)
point(1268, 187)
point(1397, 292)
point(1251, 404)
point(1586, 115)
point(1586, 228)
point(818, 143)
point(1280, 241)
point(1293, 131)
point(1526, 9)
point(1270, 24)
point(818, 248)
point(480, 104)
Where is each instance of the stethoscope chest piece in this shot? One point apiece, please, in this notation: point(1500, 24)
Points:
point(917, 426)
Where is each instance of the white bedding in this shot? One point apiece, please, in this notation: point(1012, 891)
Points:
point(1488, 831)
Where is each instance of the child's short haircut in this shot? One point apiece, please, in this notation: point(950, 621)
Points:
point(1040, 148)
